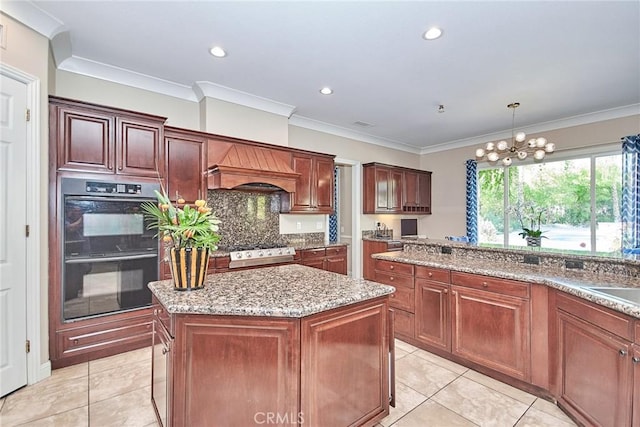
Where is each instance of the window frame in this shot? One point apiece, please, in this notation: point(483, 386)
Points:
point(591, 152)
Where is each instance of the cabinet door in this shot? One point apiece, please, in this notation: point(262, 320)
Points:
point(323, 181)
point(161, 373)
point(432, 314)
point(186, 164)
point(492, 330)
point(85, 141)
point(424, 192)
point(336, 264)
point(382, 189)
point(636, 384)
point(595, 372)
point(395, 191)
point(302, 198)
point(139, 148)
point(315, 263)
point(369, 248)
point(410, 191)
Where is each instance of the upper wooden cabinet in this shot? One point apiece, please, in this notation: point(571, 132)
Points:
point(395, 190)
point(99, 139)
point(314, 187)
point(416, 192)
point(186, 164)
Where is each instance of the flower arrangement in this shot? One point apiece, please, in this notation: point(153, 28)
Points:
point(183, 226)
point(530, 215)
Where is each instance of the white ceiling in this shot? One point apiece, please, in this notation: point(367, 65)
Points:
point(566, 62)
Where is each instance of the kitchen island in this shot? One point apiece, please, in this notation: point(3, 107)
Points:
point(287, 345)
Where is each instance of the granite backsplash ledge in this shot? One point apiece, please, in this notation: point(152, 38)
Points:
point(250, 218)
point(534, 260)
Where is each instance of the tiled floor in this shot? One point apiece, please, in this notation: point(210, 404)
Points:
point(431, 391)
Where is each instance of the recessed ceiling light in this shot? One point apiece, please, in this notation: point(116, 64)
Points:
point(218, 52)
point(432, 33)
point(326, 91)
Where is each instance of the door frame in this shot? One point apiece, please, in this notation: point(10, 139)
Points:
point(356, 211)
point(36, 370)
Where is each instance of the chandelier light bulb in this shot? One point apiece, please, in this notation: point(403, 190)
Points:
point(531, 143)
point(507, 161)
point(540, 142)
point(493, 156)
point(550, 147)
point(522, 155)
point(480, 152)
point(521, 136)
point(538, 155)
point(502, 145)
point(490, 146)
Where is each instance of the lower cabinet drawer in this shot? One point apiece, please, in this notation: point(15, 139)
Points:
point(491, 284)
point(394, 279)
point(103, 336)
point(403, 298)
point(404, 323)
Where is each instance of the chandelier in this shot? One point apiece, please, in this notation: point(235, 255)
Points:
point(536, 147)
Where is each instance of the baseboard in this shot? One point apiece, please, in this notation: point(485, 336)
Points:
point(44, 371)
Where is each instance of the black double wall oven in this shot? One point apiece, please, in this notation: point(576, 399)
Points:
point(109, 254)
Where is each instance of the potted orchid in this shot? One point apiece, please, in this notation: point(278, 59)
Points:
point(530, 218)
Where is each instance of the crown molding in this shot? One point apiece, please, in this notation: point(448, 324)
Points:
point(305, 122)
point(583, 119)
point(90, 68)
point(204, 89)
point(33, 17)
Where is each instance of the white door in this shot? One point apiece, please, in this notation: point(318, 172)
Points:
point(13, 240)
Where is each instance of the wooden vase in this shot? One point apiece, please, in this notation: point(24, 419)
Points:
point(189, 268)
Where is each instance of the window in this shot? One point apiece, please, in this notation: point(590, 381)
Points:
point(575, 202)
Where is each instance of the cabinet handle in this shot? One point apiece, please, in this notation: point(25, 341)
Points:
point(155, 311)
point(391, 278)
point(622, 352)
point(453, 293)
point(165, 350)
point(485, 285)
point(391, 267)
point(445, 291)
point(430, 274)
point(635, 359)
point(75, 341)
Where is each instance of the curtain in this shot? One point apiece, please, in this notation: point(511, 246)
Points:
point(631, 193)
point(472, 200)
point(333, 219)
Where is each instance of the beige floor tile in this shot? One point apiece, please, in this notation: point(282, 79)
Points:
point(106, 363)
point(74, 371)
point(130, 409)
point(78, 417)
point(1, 403)
point(501, 387)
point(405, 346)
point(551, 409)
point(480, 404)
point(536, 418)
point(440, 361)
point(406, 399)
point(421, 375)
point(50, 396)
point(153, 424)
point(432, 414)
point(119, 380)
point(401, 353)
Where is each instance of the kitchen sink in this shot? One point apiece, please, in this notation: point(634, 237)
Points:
point(627, 294)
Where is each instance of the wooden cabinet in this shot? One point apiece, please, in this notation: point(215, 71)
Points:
point(98, 139)
point(331, 368)
point(490, 323)
point(186, 164)
point(332, 258)
point(593, 362)
point(395, 190)
point(416, 192)
point(382, 189)
point(314, 187)
point(433, 325)
point(402, 301)
point(370, 247)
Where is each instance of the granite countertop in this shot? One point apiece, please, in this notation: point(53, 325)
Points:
point(298, 247)
point(285, 291)
point(575, 283)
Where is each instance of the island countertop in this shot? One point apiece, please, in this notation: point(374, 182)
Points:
point(284, 291)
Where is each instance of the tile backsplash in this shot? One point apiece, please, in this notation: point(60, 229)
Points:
point(251, 218)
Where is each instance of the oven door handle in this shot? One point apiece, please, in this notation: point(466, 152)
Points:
point(109, 259)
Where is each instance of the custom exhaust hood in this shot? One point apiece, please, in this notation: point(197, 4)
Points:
point(248, 167)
